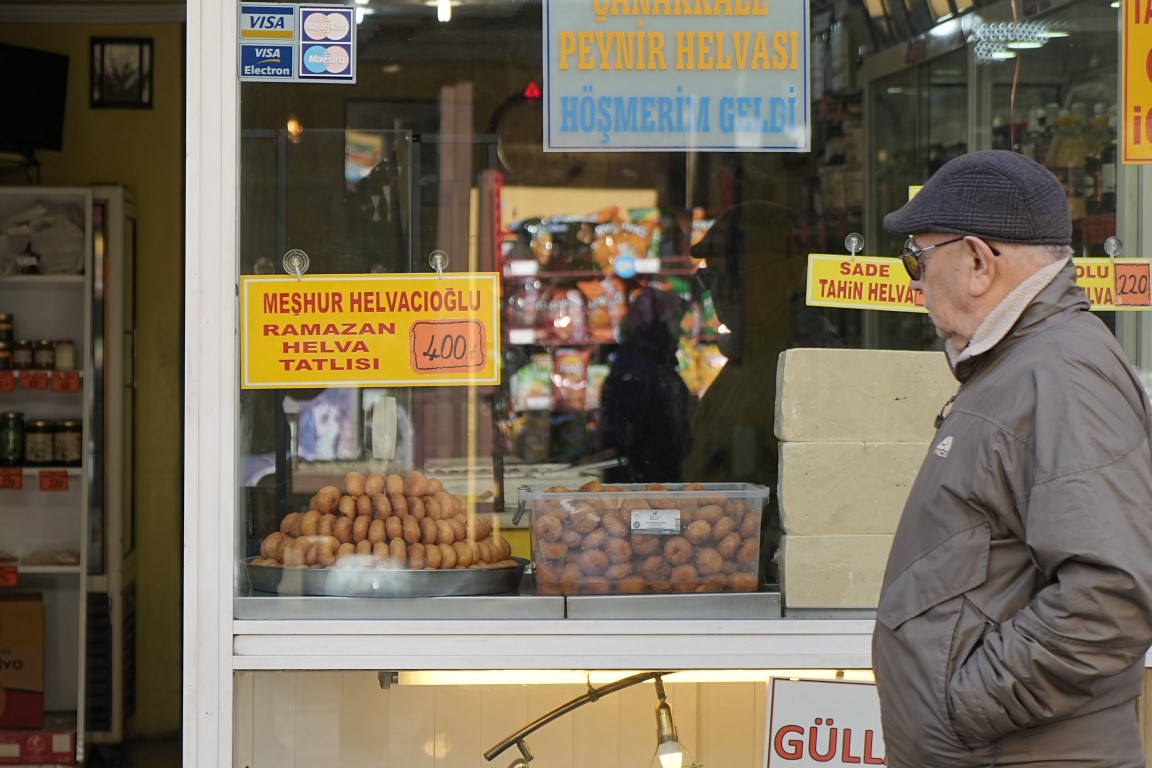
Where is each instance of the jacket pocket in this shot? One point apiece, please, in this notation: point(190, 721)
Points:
point(953, 567)
point(925, 629)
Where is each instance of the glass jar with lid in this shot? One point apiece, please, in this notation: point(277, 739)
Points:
point(43, 355)
point(11, 439)
point(21, 355)
point(38, 443)
point(67, 445)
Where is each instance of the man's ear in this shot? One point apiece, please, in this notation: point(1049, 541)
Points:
point(983, 266)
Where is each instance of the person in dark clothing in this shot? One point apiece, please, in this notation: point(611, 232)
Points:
point(644, 403)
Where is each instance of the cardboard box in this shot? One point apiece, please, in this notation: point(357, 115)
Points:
point(632, 539)
point(54, 744)
point(21, 661)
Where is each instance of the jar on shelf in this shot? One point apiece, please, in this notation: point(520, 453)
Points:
point(7, 327)
point(38, 448)
point(5, 355)
point(67, 445)
point(11, 439)
point(21, 355)
point(65, 355)
point(43, 355)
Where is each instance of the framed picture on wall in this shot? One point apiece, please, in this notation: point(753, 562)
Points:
point(121, 73)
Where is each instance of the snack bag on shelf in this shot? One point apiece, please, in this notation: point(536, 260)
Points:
point(615, 301)
point(700, 225)
point(599, 322)
point(644, 228)
point(570, 379)
point(686, 364)
point(597, 374)
point(531, 386)
point(709, 362)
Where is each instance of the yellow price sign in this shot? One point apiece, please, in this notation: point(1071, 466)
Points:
point(369, 330)
point(872, 282)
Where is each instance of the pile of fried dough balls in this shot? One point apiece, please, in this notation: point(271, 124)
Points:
point(585, 544)
point(389, 522)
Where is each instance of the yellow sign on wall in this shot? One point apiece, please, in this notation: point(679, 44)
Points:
point(1137, 78)
point(874, 282)
point(369, 330)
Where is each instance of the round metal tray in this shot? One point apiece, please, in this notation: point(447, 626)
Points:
point(372, 582)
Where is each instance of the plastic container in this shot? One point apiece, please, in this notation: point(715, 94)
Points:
point(638, 539)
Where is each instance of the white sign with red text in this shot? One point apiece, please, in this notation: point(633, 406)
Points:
point(823, 723)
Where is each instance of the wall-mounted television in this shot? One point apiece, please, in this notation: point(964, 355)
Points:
point(32, 116)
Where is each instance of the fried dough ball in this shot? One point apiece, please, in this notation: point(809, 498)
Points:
point(434, 486)
point(728, 545)
point(655, 568)
point(463, 554)
point(416, 559)
point(708, 561)
point(571, 575)
point(411, 530)
point(572, 538)
point(428, 531)
point(644, 545)
point(394, 527)
point(415, 484)
point(433, 556)
point(393, 485)
point(591, 486)
point(717, 582)
point(632, 585)
point(364, 548)
point(698, 531)
point(593, 562)
point(272, 546)
point(677, 550)
point(613, 525)
point(345, 554)
point(310, 523)
point(377, 531)
point(288, 521)
point(484, 550)
point(722, 528)
point(347, 506)
point(685, 578)
point(327, 525)
point(327, 499)
point(381, 507)
point(354, 484)
point(458, 528)
point(342, 529)
point(360, 528)
point(399, 504)
point(618, 550)
point(748, 555)
point(750, 526)
point(447, 556)
point(743, 582)
point(596, 585)
point(374, 483)
point(594, 540)
point(618, 571)
point(364, 506)
point(585, 520)
point(710, 512)
point(398, 552)
point(444, 532)
point(552, 550)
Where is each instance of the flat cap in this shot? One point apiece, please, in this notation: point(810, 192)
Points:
point(994, 194)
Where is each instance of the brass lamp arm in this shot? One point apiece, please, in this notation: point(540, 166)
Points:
point(592, 695)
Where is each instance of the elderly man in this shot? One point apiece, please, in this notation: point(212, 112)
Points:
point(1017, 602)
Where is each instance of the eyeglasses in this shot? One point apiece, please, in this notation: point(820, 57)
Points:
point(913, 257)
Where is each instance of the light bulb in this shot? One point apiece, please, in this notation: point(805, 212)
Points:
point(670, 754)
point(443, 10)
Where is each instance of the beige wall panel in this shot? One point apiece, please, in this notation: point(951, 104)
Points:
point(728, 724)
point(854, 394)
point(596, 729)
point(852, 487)
point(318, 713)
point(503, 710)
point(685, 701)
point(365, 725)
point(411, 718)
point(556, 740)
point(456, 740)
point(833, 571)
point(243, 703)
point(274, 720)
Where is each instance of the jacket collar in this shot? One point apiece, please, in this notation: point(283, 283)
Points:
point(1052, 290)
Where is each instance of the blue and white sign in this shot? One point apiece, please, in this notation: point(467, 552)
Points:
point(266, 62)
point(327, 43)
point(658, 75)
point(294, 43)
point(267, 22)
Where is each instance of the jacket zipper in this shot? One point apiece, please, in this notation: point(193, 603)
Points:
point(988, 624)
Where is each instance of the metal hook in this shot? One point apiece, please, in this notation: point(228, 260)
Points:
point(295, 262)
point(1113, 246)
point(438, 260)
point(854, 243)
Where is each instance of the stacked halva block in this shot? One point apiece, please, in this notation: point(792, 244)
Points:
point(854, 427)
